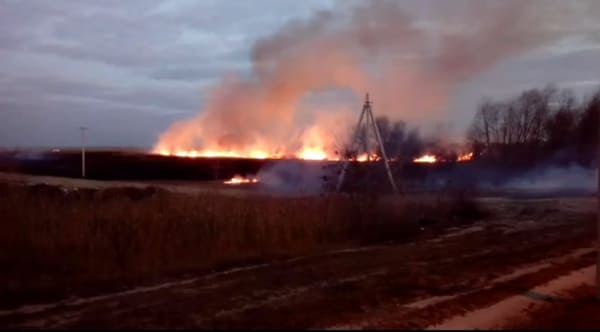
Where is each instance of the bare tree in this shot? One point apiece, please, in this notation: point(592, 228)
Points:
point(588, 128)
point(515, 129)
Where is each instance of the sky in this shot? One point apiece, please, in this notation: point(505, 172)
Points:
point(128, 69)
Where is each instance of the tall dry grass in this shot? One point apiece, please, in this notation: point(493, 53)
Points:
point(52, 241)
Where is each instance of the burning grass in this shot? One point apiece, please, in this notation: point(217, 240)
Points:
point(54, 241)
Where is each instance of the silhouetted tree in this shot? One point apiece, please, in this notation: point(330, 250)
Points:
point(588, 129)
point(537, 125)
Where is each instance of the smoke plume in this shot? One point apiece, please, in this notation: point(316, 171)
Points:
point(556, 179)
point(292, 177)
point(410, 66)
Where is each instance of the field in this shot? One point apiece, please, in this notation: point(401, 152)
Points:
point(112, 164)
point(79, 253)
point(127, 165)
point(94, 237)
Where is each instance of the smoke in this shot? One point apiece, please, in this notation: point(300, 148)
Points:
point(294, 177)
point(556, 179)
point(409, 65)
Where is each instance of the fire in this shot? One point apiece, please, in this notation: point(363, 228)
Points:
point(367, 157)
point(313, 154)
point(255, 154)
point(431, 159)
point(426, 158)
point(304, 154)
point(465, 157)
point(318, 141)
point(363, 157)
point(236, 180)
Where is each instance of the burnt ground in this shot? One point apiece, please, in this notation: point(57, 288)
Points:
point(412, 285)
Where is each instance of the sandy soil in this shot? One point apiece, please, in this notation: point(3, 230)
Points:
point(454, 280)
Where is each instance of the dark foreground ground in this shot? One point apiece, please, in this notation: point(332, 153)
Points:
point(498, 272)
point(577, 310)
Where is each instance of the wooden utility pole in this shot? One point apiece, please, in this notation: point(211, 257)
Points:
point(367, 116)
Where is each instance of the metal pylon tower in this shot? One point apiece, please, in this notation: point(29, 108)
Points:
point(367, 116)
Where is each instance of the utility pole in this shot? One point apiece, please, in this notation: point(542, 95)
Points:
point(367, 115)
point(83, 129)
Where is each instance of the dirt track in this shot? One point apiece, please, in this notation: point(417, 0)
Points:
point(413, 285)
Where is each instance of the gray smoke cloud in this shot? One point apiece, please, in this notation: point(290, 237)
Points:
point(411, 66)
point(292, 177)
point(573, 178)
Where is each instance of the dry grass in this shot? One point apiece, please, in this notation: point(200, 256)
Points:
point(52, 242)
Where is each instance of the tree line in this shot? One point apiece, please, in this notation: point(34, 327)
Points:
point(538, 125)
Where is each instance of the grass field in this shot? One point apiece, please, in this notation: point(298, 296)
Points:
point(55, 241)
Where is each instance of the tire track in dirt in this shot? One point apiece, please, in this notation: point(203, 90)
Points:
point(412, 311)
point(498, 314)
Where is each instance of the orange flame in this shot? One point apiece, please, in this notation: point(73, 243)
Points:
point(426, 158)
point(367, 157)
point(316, 142)
point(465, 157)
point(363, 157)
point(236, 180)
point(312, 154)
point(257, 154)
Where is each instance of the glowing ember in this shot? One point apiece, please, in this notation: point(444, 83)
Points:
point(465, 157)
point(427, 158)
point(236, 180)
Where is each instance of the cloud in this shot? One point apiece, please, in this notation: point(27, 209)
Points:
point(204, 72)
point(80, 59)
point(133, 61)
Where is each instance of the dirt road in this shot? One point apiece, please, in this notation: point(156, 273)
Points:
point(413, 285)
